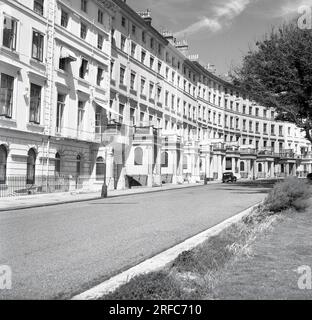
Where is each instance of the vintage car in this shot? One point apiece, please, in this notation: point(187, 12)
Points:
point(228, 177)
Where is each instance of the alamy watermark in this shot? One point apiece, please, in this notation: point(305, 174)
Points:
point(305, 19)
point(5, 277)
point(305, 278)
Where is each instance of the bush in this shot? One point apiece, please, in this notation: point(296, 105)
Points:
point(290, 193)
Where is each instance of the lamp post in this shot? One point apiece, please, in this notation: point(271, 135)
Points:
point(104, 186)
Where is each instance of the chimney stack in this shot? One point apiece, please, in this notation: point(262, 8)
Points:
point(146, 16)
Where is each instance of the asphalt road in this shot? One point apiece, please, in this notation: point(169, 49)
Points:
point(56, 252)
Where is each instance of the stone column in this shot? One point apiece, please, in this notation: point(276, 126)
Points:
point(266, 168)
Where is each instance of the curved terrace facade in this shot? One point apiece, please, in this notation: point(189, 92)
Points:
point(96, 92)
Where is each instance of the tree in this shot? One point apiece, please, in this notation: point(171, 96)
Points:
point(278, 74)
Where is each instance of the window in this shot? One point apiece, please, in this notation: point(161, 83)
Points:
point(100, 119)
point(9, 33)
point(158, 93)
point(242, 166)
point(83, 31)
point(166, 98)
point(6, 95)
point(143, 55)
point(265, 128)
point(152, 43)
point(138, 156)
point(60, 112)
point(100, 169)
point(133, 49)
point(57, 167)
point(3, 164)
point(83, 68)
point(64, 19)
point(122, 75)
point(31, 167)
point(38, 6)
point(123, 21)
point(272, 129)
point(100, 41)
point(164, 160)
point(159, 49)
point(123, 43)
point(99, 76)
point(84, 5)
point(151, 90)
point(37, 46)
point(121, 112)
point(100, 16)
point(132, 80)
point(152, 62)
point(142, 85)
point(259, 167)
point(35, 103)
point(133, 29)
point(143, 37)
point(250, 126)
point(81, 111)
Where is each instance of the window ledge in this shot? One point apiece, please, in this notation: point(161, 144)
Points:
point(7, 122)
point(35, 127)
point(37, 63)
point(10, 52)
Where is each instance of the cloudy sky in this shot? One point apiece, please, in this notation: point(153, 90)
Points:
point(220, 31)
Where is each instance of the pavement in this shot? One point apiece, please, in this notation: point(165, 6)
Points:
point(41, 200)
point(56, 252)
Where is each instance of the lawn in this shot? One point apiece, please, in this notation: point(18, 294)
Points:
point(270, 270)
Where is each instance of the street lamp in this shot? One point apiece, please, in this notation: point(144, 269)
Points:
point(104, 186)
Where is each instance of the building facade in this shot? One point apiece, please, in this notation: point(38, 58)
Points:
point(90, 90)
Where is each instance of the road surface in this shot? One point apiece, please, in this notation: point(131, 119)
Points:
point(59, 251)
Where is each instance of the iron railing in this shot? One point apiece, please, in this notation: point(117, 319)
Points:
point(17, 185)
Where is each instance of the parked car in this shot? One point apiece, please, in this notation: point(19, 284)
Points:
point(228, 177)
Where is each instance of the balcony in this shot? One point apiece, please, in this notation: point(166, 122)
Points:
point(287, 154)
point(219, 147)
point(248, 151)
point(266, 152)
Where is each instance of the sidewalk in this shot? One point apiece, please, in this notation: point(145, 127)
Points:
point(42, 200)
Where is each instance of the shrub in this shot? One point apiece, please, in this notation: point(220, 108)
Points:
point(290, 193)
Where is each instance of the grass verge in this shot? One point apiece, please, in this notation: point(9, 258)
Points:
point(195, 274)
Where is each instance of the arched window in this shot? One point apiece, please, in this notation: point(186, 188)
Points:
point(164, 160)
point(57, 169)
point(78, 165)
point(3, 164)
point(31, 167)
point(100, 168)
point(242, 166)
point(138, 156)
point(260, 167)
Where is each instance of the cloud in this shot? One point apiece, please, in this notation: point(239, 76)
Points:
point(222, 15)
point(288, 7)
